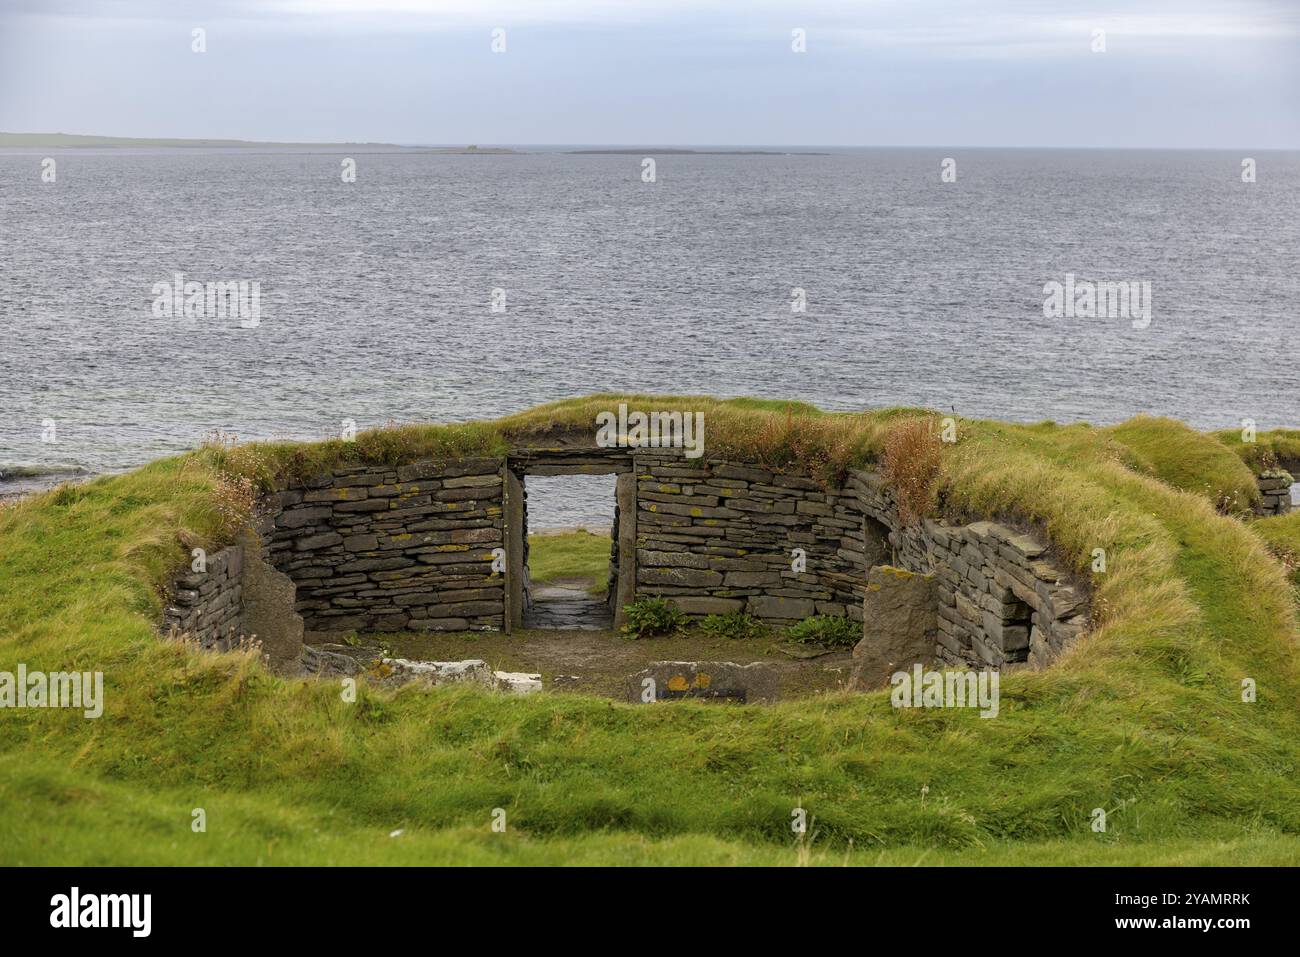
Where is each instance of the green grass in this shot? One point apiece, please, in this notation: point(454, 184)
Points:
point(1281, 533)
point(573, 555)
point(1270, 448)
point(52, 813)
point(1190, 461)
point(1143, 717)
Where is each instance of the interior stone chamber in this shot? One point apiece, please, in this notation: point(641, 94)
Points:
point(444, 546)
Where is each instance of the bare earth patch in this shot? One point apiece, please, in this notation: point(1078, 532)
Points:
point(597, 662)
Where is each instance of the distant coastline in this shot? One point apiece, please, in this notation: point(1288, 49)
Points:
point(80, 141)
point(21, 480)
point(89, 141)
point(678, 151)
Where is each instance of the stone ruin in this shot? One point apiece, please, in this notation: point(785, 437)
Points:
point(442, 546)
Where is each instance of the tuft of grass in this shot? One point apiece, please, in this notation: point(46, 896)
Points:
point(913, 461)
point(735, 625)
point(653, 618)
point(829, 630)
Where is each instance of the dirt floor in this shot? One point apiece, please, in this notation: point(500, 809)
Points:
point(597, 662)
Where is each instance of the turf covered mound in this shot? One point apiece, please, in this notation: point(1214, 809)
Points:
point(1144, 718)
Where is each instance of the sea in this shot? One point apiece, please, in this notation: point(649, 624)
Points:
point(417, 285)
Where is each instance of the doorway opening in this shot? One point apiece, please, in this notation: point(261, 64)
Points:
point(570, 553)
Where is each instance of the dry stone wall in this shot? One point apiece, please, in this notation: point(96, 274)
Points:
point(718, 537)
point(208, 606)
point(1003, 599)
point(423, 546)
point(1275, 492)
point(391, 549)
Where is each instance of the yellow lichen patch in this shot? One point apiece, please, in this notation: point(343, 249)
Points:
point(896, 572)
point(677, 683)
point(702, 680)
point(696, 512)
point(347, 493)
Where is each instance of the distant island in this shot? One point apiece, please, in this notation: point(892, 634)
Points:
point(75, 140)
point(676, 151)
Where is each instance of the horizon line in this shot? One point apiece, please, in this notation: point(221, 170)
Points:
point(235, 142)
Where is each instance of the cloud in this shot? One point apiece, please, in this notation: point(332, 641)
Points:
point(920, 24)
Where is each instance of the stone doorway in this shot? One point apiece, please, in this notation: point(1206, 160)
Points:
point(552, 494)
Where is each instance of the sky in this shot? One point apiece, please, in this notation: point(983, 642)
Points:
point(1174, 73)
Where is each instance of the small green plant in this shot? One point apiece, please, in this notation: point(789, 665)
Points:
point(828, 630)
point(653, 617)
point(734, 624)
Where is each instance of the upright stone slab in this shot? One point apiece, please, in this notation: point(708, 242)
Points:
point(269, 598)
point(516, 540)
point(899, 623)
point(625, 590)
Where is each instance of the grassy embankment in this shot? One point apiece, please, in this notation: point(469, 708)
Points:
point(1144, 718)
point(1267, 454)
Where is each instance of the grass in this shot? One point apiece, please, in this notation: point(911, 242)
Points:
point(571, 556)
point(1281, 533)
point(1190, 461)
point(1143, 718)
point(1269, 450)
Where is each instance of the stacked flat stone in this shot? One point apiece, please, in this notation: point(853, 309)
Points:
point(208, 606)
point(718, 537)
point(1001, 600)
point(375, 548)
point(1275, 492)
point(390, 549)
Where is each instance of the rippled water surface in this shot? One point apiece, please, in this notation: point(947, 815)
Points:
point(376, 294)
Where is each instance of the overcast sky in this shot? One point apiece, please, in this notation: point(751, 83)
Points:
point(1176, 73)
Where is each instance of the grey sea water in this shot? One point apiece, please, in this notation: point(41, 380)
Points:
point(376, 294)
